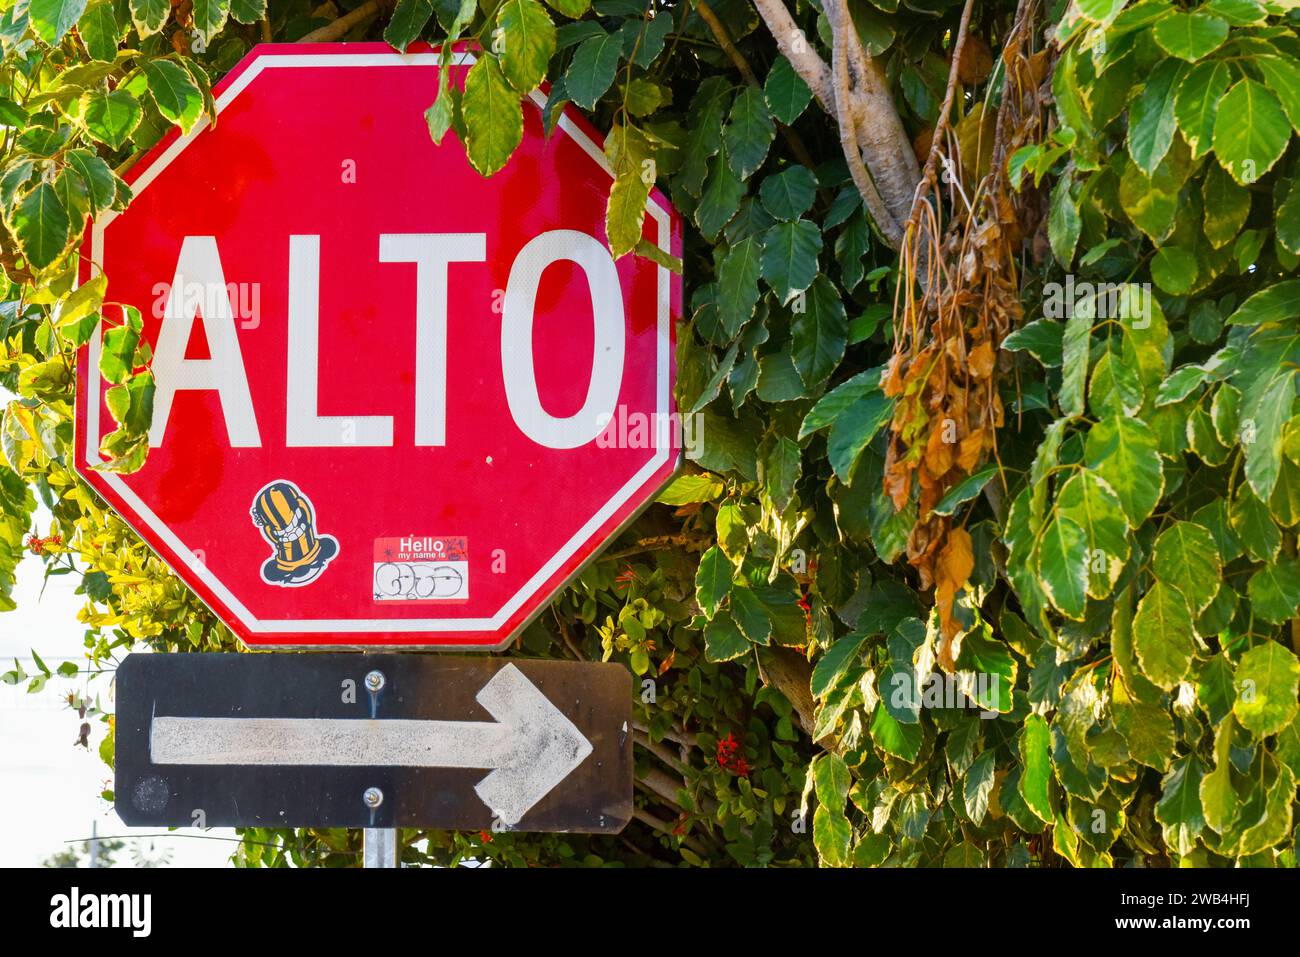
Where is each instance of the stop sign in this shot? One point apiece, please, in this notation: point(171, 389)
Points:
point(398, 404)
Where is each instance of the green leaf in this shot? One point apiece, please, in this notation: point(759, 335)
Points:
point(1186, 557)
point(1254, 525)
point(854, 429)
point(1075, 346)
point(1276, 303)
point(1226, 206)
point(570, 8)
point(85, 300)
point(893, 737)
point(782, 471)
point(174, 92)
point(1196, 103)
point(749, 132)
point(790, 193)
point(1087, 500)
point(1250, 131)
point(1275, 591)
point(625, 211)
point(41, 226)
point(1151, 116)
point(790, 252)
point(1125, 453)
point(1190, 36)
point(1282, 75)
point(407, 21)
point(112, 117)
point(209, 16)
point(52, 19)
point(986, 671)
point(1062, 559)
point(750, 615)
point(1162, 635)
point(592, 70)
point(965, 490)
point(248, 11)
point(1267, 682)
point(820, 333)
point(1179, 807)
point(785, 91)
point(978, 786)
point(1036, 776)
point(1219, 801)
point(723, 640)
point(685, 489)
point(834, 662)
point(1041, 339)
point(831, 779)
point(831, 836)
point(1063, 223)
point(721, 199)
point(149, 15)
point(117, 355)
point(529, 42)
point(738, 285)
point(1146, 728)
point(713, 580)
point(494, 121)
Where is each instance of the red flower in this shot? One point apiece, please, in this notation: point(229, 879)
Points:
point(729, 756)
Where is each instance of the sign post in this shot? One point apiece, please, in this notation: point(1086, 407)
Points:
point(398, 406)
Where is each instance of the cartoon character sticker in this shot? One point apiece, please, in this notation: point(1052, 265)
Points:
point(287, 520)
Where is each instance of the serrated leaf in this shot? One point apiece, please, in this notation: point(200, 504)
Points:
point(591, 72)
point(1125, 452)
point(819, 333)
point(111, 117)
point(1190, 36)
point(494, 121)
point(173, 90)
point(1186, 557)
point(749, 132)
point(52, 19)
point(1196, 103)
point(1267, 682)
point(713, 580)
point(1162, 635)
point(785, 91)
point(790, 252)
point(149, 15)
point(1151, 116)
point(41, 226)
point(1250, 131)
point(529, 42)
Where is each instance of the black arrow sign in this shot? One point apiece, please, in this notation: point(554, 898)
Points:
point(350, 740)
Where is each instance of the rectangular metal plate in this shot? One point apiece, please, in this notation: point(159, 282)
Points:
point(300, 739)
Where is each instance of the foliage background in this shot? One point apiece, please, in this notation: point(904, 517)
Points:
point(1117, 545)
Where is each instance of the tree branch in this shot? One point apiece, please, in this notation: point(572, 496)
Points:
point(846, 118)
point(796, 48)
point(340, 27)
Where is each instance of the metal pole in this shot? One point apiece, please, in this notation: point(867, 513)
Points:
point(379, 847)
point(94, 843)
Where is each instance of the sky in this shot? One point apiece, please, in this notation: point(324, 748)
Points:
point(51, 787)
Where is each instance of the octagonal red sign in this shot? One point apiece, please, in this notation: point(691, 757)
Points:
point(398, 404)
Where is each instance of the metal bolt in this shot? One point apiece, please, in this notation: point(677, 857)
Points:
point(375, 681)
point(373, 797)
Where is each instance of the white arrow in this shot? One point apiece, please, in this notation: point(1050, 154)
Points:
point(531, 746)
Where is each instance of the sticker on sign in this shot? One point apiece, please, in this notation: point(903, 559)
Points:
point(432, 568)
